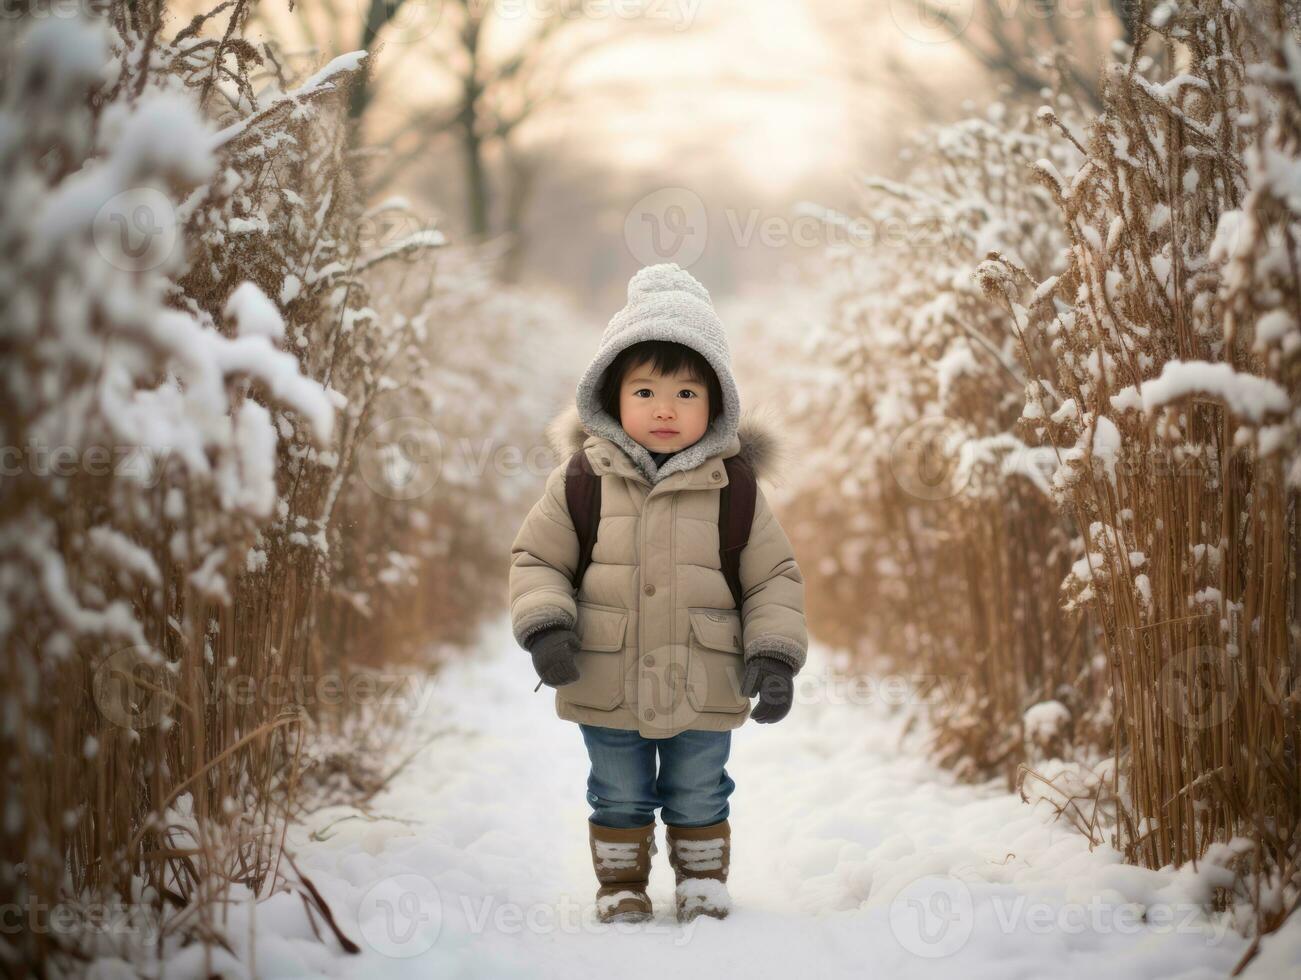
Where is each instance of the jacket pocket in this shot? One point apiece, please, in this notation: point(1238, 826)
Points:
point(600, 665)
point(716, 660)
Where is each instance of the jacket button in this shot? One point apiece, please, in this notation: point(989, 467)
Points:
point(648, 660)
point(716, 475)
point(649, 590)
point(650, 713)
point(605, 460)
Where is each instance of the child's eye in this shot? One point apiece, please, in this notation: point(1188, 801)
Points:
point(640, 390)
point(688, 391)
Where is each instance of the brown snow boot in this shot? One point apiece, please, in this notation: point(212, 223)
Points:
point(699, 856)
point(621, 858)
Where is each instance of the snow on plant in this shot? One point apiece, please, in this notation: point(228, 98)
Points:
point(948, 500)
point(186, 364)
point(1047, 730)
point(463, 446)
point(1070, 418)
point(1172, 395)
point(100, 369)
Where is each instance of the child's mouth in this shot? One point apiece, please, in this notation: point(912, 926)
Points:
point(664, 432)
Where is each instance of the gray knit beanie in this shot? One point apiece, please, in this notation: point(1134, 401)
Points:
point(665, 302)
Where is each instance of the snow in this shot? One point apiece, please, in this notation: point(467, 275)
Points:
point(290, 289)
point(428, 238)
point(34, 543)
point(1247, 395)
point(1144, 586)
point(700, 855)
point(255, 560)
point(1230, 236)
point(703, 894)
point(125, 360)
point(1162, 13)
point(1106, 445)
point(607, 902)
point(958, 360)
point(1066, 411)
point(616, 854)
point(207, 578)
point(343, 64)
point(320, 82)
point(70, 52)
point(1034, 408)
point(161, 133)
point(1049, 169)
point(253, 487)
point(1012, 458)
point(1277, 325)
point(1098, 439)
point(124, 553)
point(850, 856)
point(1045, 720)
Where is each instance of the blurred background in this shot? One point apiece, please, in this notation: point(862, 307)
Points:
point(293, 288)
point(560, 146)
point(565, 127)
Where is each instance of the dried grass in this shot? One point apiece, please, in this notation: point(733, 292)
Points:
point(1067, 445)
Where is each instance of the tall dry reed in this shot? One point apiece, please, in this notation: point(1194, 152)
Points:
point(1065, 438)
point(190, 364)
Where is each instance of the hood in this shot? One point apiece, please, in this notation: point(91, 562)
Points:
point(760, 445)
point(665, 302)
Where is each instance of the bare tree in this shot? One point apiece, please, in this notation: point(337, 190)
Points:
point(1010, 45)
point(1023, 48)
point(488, 92)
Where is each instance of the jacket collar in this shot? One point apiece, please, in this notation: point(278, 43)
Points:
point(755, 441)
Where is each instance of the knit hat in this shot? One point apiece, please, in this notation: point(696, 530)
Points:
point(665, 302)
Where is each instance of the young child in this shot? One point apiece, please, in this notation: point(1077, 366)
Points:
point(652, 654)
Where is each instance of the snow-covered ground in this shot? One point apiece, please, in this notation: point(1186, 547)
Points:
point(851, 857)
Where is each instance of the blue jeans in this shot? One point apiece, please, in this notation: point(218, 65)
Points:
point(623, 789)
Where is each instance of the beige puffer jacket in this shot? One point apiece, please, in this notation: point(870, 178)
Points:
point(663, 645)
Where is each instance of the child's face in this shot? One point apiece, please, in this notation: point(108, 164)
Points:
point(664, 413)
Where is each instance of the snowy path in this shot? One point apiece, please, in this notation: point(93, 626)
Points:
point(481, 867)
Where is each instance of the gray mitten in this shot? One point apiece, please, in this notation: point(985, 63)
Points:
point(772, 680)
point(553, 655)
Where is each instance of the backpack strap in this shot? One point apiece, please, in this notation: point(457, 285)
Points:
point(583, 497)
point(735, 515)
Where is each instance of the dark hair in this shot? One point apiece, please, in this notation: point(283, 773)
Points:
point(666, 357)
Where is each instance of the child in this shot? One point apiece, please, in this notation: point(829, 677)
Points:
point(652, 654)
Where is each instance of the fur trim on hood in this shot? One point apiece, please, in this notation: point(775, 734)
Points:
point(761, 446)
